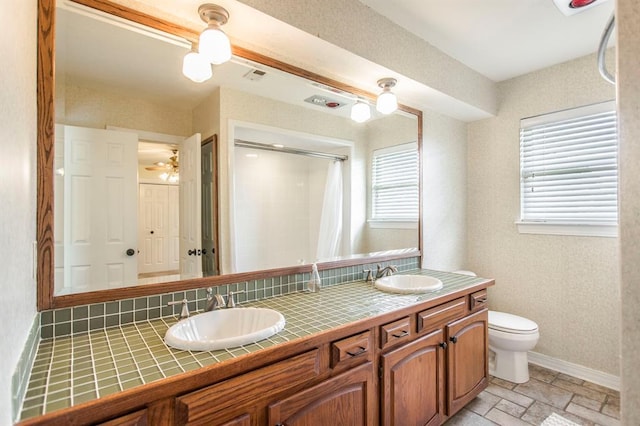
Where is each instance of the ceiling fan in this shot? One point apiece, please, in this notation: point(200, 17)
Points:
point(170, 168)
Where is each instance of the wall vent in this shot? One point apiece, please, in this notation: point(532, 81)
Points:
point(255, 75)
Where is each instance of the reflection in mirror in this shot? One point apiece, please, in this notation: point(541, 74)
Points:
point(151, 184)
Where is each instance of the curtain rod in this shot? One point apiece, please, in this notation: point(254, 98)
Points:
point(267, 147)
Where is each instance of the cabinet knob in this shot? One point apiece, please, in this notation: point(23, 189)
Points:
point(443, 345)
point(453, 339)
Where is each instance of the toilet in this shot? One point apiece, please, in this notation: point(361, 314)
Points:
point(510, 338)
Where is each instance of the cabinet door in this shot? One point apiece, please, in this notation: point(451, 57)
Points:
point(347, 400)
point(468, 367)
point(413, 383)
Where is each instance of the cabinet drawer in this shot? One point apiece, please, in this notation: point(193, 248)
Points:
point(478, 300)
point(244, 390)
point(352, 351)
point(395, 332)
point(439, 316)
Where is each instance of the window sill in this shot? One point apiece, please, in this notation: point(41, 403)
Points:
point(392, 224)
point(556, 228)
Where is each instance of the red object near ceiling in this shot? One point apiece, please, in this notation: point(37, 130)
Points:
point(575, 4)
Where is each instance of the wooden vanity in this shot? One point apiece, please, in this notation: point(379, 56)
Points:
point(418, 364)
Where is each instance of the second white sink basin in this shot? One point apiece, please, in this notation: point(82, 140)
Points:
point(224, 328)
point(408, 284)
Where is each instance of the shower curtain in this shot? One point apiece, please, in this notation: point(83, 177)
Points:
point(330, 235)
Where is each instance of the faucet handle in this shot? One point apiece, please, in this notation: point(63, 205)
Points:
point(184, 313)
point(369, 275)
point(231, 303)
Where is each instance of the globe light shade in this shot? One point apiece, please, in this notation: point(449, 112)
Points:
point(214, 45)
point(387, 102)
point(196, 67)
point(360, 112)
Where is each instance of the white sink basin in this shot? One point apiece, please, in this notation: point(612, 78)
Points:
point(224, 328)
point(408, 284)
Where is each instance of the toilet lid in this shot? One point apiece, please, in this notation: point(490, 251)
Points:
point(511, 323)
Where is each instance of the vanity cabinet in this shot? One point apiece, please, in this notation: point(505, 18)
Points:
point(412, 389)
point(467, 359)
point(418, 365)
point(431, 378)
point(346, 399)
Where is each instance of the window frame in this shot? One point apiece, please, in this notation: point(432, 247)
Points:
point(564, 227)
point(388, 222)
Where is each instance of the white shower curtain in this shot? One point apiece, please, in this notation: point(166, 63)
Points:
point(330, 235)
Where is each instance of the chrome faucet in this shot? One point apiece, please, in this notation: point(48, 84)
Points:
point(184, 313)
point(368, 275)
point(214, 301)
point(386, 271)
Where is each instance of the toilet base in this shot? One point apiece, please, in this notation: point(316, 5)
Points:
point(509, 365)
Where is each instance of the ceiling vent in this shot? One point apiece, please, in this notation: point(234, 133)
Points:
point(324, 101)
point(255, 75)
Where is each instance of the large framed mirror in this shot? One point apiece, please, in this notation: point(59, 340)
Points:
point(199, 184)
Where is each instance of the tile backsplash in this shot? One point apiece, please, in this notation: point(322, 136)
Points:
point(80, 319)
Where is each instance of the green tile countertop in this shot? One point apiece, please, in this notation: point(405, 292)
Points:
point(74, 369)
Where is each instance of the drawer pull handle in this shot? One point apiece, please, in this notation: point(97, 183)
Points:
point(483, 300)
point(401, 334)
point(360, 351)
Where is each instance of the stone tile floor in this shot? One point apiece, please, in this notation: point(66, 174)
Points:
point(510, 404)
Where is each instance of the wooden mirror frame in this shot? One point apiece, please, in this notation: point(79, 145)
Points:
point(45, 156)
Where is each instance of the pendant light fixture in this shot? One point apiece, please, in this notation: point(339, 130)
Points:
point(360, 112)
point(214, 43)
point(387, 102)
point(213, 46)
point(196, 67)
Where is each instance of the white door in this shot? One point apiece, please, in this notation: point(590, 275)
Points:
point(174, 228)
point(100, 204)
point(153, 228)
point(190, 204)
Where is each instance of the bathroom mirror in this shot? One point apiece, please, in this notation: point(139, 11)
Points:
point(89, 94)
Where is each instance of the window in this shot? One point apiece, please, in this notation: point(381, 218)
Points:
point(394, 184)
point(569, 171)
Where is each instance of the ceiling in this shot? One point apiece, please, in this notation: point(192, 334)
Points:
point(501, 39)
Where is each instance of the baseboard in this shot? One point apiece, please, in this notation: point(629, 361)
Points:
point(594, 376)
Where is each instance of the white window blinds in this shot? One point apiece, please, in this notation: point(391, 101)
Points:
point(394, 183)
point(569, 166)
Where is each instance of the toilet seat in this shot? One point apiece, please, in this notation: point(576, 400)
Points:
point(509, 323)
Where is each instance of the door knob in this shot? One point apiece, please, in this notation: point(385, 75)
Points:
point(204, 251)
point(191, 252)
point(130, 252)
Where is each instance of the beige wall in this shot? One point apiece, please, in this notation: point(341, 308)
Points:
point(18, 175)
point(628, 86)
point(568, 285)
point(444, 192)
point(97, 108)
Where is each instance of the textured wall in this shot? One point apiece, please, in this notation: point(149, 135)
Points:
point(97, 108)
point(444, 192)
point(628, 86)
point(568, 285)
point(18, 193)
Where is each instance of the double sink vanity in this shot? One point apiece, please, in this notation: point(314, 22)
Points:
point(350, 354)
